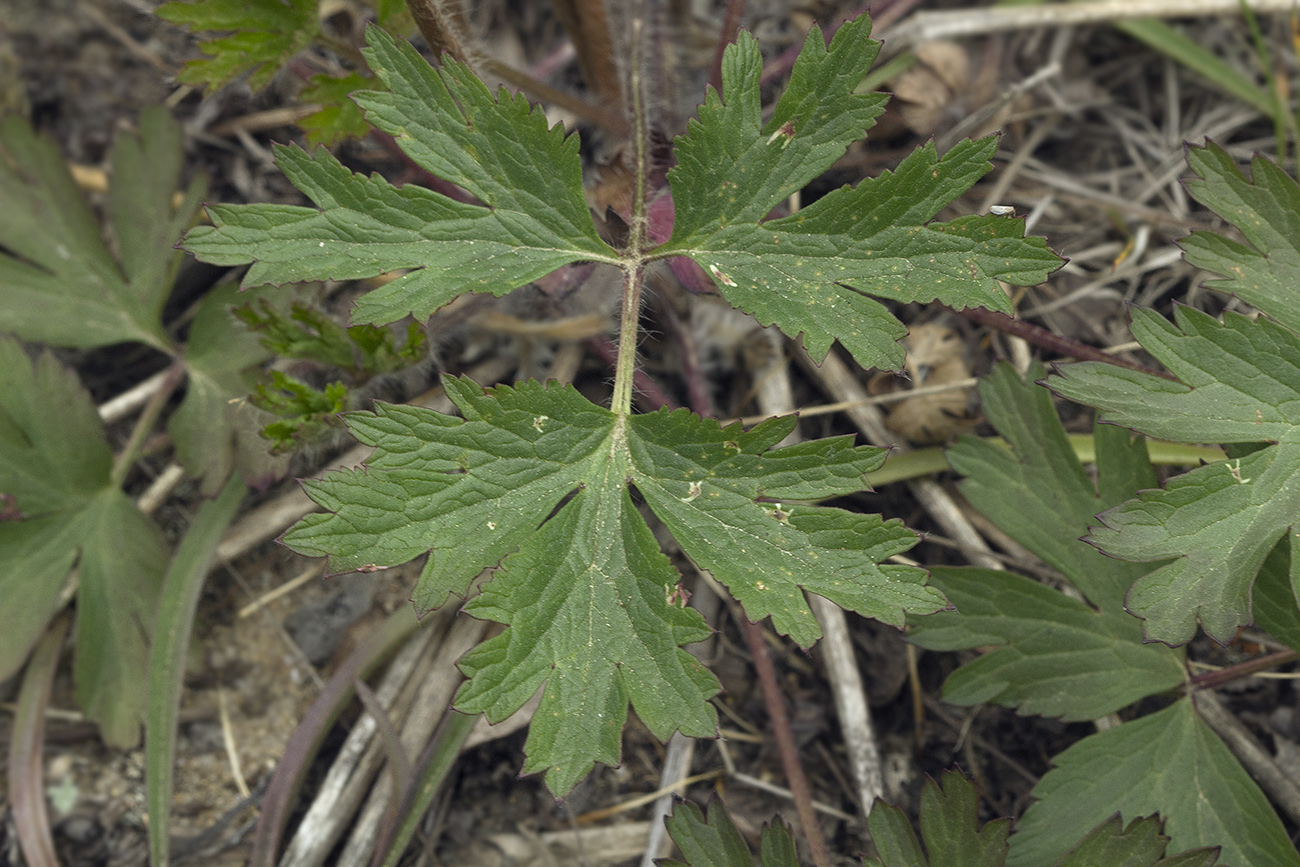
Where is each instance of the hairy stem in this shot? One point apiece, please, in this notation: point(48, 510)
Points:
point(625, 367)
point(638, 224)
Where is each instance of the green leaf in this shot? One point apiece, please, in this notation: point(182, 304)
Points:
point(307, 333)
point(1038, 492)
point(1239, 383)
point(499, 148)
point(215, 429)
point(732, 170)
point(950, 829)
point(170, 651)
point(1169, 762)
point(59, 283)
point(1274, 597)
point(1141, 844)
point(304, 413)
point(1053, 654)
point(715, 842)
point(588, 596)
point(267, 34)
point(807, 272)
point(1266, 208)
point(55, 465)
point(338, 117)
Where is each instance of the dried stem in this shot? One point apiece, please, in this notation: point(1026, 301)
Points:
point(1045, 339)
point(785, 742)
point(446, 33)
point(1218, 677)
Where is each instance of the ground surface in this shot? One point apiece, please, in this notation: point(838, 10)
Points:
point(1097, 154)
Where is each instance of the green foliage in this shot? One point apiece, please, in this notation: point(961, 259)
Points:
point(338, 117)
point(1168, 761)
point(539, 480)
point(1274, 600)
point(55, 470)
point(1239, 382)
point(307, 334)
point(1141, 844)
point(951, 836)
point(266, 35)
point(588, 595)
point(500, 149)
point(60, 284)
point(877, 237)
point(305, 413)
point(1056, 655)
point(715, 842)
point(806, 273)
point(949, 826)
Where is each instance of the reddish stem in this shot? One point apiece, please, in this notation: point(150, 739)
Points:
point(27, 752)
point(785, 742)
point(1045, 339)
point(1211, 679)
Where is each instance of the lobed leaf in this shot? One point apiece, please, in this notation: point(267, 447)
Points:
point(950, 830)
point(715, 842)
point(807, 272)
point(1169, 761)
point(1240, 383)
point(54, 470)
point(1237, 384)
point(60, 283)
point(534, 218)
point(1266, 209)
point(1052, 654)
point(267, 34)
point(1141, 844)
point(1038, 492)
point(538, 479)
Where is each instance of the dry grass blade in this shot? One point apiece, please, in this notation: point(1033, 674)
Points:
point(432, 700)
point(306, 739)
point(359, 759)
point(925, 26)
